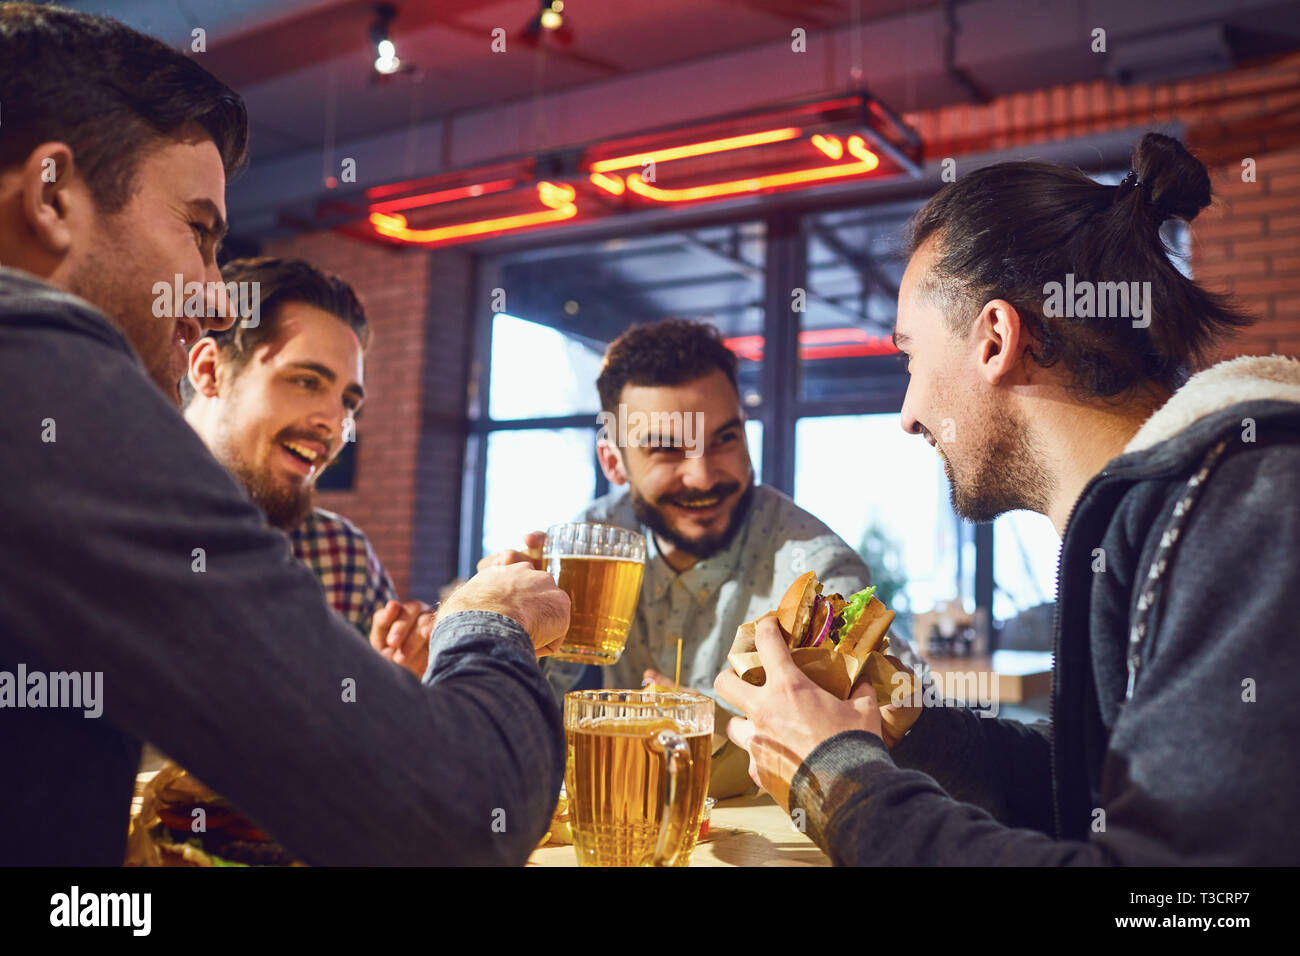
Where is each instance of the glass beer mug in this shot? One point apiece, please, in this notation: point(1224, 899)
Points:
point(599, 567)
point(637, 775)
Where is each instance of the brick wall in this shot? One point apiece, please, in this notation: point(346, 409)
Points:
point(1248, 242)
point(412, 433)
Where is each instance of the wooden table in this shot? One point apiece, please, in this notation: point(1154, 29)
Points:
point(743, 831)
point(1010, 677)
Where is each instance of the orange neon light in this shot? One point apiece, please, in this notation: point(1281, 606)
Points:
point(867, 161)
point(817, 344)
point(559, 198)
point(445, 195)
point(696, 149)
point(611, 184)
point(830, 145)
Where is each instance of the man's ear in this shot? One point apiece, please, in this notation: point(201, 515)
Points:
point(611, 461)
point(1000, 340)
point(48, 197)
point(205, 357)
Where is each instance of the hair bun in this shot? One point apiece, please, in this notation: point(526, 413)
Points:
point(1176, 182)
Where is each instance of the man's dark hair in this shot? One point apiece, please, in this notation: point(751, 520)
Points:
point(668, 352)
point(109, 92)
point(281, 281)
point(1007, 230)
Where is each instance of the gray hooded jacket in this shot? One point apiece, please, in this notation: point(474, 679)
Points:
point(1174, 715)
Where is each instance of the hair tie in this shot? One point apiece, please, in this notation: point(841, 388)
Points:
point(1129, 180)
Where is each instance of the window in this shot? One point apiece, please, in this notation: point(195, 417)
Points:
point(536, 477)
point(854, 265)
point(884, 492)
point(539, 372)
point(1026, 549)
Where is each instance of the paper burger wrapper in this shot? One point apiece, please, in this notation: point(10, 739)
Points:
point(889, 679)
point(827, 666)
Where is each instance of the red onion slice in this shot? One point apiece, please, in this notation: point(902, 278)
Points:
point(826, 627)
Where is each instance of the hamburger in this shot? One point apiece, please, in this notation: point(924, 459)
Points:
point(836, 642)
point(180, 822)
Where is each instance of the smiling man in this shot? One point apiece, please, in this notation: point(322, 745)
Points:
point(129, 553)
point(276, 400)
point(1173, 721)
point(721, 549)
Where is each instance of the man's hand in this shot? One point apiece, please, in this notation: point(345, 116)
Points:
point(651, 676)
point(532, 554)
point(522, 594)
point(400, 631)
point(789, 715)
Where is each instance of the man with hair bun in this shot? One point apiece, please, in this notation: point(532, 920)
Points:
point(1176, 497)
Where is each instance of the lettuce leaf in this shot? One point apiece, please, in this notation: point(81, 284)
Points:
point(853, 610)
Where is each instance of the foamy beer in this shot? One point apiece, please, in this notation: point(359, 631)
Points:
point(637, 775)
point(599, 567)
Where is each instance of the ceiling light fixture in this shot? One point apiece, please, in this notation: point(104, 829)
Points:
point(386, 61)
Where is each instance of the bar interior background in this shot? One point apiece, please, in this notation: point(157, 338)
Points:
point(481, 415)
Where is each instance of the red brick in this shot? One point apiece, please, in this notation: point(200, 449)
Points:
point(1279, 225)
point(1272, 244)
point(1220, 228)
point(1284, 185)
point(1266, 286)
point(1229, 267)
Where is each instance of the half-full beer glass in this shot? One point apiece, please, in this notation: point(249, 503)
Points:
point(599, 567)
point(637, 775)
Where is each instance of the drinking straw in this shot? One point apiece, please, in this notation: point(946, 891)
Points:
point(677, 678)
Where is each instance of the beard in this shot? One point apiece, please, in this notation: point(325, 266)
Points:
point(285, 504)
point(1004, 472)
point(654, 519)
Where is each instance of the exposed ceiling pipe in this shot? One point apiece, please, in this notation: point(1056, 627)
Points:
point(950, 67)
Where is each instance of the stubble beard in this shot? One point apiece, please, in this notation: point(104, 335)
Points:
point(1004, 471)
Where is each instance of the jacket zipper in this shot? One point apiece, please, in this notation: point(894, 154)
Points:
point(1056, 647)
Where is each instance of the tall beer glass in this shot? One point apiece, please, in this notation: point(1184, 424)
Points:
point(637, 775)
point(599, 567)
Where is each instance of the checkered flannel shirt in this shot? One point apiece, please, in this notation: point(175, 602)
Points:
point(355, 583)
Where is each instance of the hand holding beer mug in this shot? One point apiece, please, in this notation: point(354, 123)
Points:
point(637, 775)
point(599, 567)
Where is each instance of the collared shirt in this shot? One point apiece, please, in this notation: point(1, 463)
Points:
point(355, 583)
point(705, 604)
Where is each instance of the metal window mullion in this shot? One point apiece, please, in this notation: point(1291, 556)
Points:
point(785, 270)
point(474, 482)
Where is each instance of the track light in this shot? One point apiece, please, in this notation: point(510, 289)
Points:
point(552, 15)
point(386, 60)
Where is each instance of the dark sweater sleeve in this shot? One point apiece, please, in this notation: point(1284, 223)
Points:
point(131, 552)
point(1003, 766)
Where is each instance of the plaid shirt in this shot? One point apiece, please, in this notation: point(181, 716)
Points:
point(355, 583)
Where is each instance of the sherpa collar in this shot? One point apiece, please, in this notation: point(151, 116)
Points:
point(1229, 383)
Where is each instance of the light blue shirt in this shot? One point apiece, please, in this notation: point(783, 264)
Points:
point(705, 604)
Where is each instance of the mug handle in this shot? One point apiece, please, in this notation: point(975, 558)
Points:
point(676, 797)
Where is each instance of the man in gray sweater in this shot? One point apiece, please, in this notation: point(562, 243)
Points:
point(142, 595)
